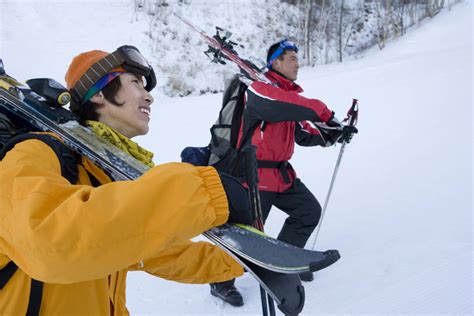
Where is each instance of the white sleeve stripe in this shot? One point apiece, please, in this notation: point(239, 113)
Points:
point(260, 95)
point(302, 128)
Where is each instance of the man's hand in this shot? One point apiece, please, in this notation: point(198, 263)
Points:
point(338, 132)
point(348, 132)
point(238, 198)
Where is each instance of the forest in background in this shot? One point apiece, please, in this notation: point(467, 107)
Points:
point(333, 30)
point(325, 31)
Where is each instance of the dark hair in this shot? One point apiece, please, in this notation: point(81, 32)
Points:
point(273, 48)
point(88, 111)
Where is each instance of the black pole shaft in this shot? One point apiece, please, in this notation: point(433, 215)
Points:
point(251, 174)
point(271, 306)
point(263, 296)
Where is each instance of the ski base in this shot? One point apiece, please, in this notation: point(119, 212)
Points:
point(260, 249)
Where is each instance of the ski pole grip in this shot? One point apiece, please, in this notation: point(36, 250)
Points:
point(353, 112)
point(250, 160)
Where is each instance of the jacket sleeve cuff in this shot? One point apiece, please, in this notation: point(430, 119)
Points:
point(213, 185)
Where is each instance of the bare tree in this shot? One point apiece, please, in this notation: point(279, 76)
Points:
point(307, 31)
point(137, 7)
point(321, 26)
point(402, 19)
point(339, 42)
point(381, 26)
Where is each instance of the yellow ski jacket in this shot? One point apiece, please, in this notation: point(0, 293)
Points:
point(81, 241)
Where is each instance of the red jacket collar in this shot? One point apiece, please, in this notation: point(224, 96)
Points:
point(282, 82)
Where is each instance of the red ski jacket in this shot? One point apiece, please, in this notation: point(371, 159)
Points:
point(279, 117)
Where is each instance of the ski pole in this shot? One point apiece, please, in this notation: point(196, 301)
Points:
point(352, 116)
point(251, 175)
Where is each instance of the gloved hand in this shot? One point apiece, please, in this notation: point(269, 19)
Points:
point(348, 132)
point(338, 132)
point(334, 122)
point(238, 198)
point(333, 132)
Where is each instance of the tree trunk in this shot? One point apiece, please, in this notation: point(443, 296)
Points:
point(321, 26)
point(381, 33)
point(307, 32)
point(340, 31)
point(402, 19)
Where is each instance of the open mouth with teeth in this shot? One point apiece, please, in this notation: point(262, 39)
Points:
point(146, 111)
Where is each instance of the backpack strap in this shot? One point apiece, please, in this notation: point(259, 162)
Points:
point(36, 293)
point(94, 181)
point(36, 288)
point(69, 170)
point(67, 158)
point(6, 273)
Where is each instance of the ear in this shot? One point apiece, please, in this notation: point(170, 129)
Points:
point(98, 98)
point(276, 64)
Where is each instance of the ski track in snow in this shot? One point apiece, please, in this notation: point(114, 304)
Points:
point(401, 210)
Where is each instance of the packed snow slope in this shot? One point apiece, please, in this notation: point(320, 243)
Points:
point(401, 209)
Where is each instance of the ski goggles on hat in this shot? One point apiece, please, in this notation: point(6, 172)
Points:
point(284, 46)
point(99, 85)
point(126, 58)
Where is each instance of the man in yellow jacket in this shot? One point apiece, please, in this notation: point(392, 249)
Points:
point(80, 239)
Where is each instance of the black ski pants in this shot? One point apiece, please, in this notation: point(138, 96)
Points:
point(302, 207)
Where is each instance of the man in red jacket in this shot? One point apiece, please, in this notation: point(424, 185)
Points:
point(276, 117)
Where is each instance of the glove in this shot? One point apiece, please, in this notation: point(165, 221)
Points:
point(338, 132)
point(197, 156)
point(348, 132)
point(238, 198)
point(334, 122)
point(333, 132)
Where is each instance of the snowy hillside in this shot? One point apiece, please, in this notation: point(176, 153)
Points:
point(401, 210)
point(178, 50)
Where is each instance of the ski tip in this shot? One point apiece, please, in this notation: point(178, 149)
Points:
point(331, 256)
point(293, 305)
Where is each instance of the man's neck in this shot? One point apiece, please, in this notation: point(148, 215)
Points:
point(279, 73)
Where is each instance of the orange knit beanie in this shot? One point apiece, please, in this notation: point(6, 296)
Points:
point(81, 63)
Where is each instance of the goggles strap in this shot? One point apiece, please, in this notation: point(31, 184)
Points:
point(95, 73)
point(274, 56)
point(284, 46)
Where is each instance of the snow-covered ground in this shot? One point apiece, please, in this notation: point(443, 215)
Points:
point(401, 210)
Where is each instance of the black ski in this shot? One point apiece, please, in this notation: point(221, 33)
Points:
point(268, 252)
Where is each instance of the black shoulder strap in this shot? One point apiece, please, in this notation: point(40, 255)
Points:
point(67, 158)
point(6, 273)
point(237, 117)
point(36, 288)
point(69, 170)
point(36, 292)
